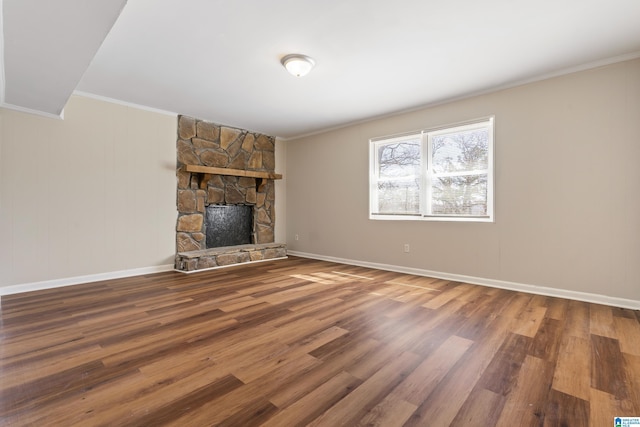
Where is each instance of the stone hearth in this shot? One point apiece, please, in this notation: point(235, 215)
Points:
point(202, 143)
point(229, 255)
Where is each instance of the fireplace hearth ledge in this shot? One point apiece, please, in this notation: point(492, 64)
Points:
point(207, 259)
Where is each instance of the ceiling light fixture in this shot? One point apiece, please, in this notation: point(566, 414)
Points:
point(298, 65)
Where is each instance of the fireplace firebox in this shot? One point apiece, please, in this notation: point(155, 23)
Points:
point(228, 225)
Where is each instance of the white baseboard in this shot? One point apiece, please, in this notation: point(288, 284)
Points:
point(520, 287)
point(78, 280)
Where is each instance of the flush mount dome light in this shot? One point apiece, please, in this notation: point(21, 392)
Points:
point(298, 65)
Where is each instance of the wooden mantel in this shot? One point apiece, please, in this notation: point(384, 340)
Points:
point(209, 170)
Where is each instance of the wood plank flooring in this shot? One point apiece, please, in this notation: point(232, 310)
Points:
point(302, 342)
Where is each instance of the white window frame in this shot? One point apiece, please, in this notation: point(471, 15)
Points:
point(374, 169)
point(426, 137)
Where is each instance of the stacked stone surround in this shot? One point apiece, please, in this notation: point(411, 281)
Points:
point(209, 144)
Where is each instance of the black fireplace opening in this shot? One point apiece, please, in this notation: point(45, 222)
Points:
point(228, 225)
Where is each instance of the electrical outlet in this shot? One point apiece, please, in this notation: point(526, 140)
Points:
point(297, 237)
point(406, 247)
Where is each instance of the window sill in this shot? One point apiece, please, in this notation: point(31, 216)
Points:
point(408, 217)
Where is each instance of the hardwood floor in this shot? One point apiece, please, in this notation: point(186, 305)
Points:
point(304, 342)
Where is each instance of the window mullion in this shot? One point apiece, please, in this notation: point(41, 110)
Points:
point(426, 173)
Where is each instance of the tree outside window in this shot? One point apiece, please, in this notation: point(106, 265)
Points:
point(439, 174)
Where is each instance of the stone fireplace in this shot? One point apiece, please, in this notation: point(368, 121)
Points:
point(223, 166)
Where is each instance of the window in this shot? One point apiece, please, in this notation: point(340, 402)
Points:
point(440, 174)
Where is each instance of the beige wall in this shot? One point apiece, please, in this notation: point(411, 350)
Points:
point(91, 194)
point(567, 212)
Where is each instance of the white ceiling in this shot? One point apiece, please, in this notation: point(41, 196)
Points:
point(220, 59)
